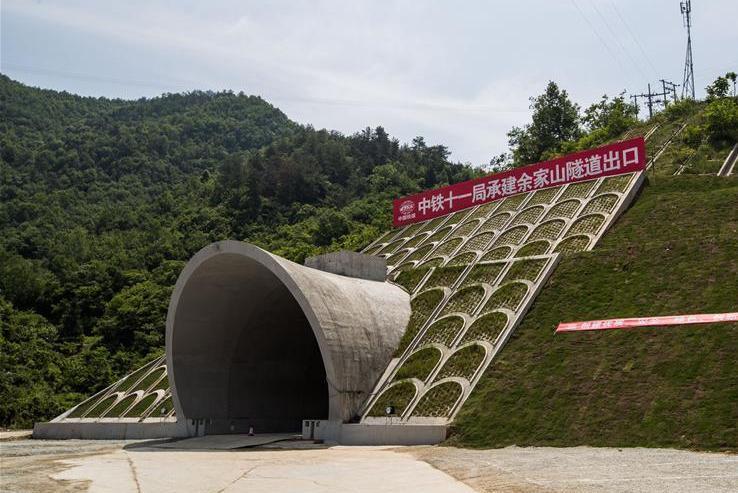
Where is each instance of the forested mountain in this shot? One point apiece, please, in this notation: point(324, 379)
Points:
point(102, 201)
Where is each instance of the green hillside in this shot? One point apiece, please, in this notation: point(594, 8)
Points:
point(675, 251)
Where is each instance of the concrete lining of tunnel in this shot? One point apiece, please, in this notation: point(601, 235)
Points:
point(235, 303)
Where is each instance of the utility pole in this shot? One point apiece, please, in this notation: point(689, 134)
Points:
point(688, 83)
point(669, 87)
point(634, 97)
point(651, 99)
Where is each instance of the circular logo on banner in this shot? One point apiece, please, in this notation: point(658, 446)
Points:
point(407, 207)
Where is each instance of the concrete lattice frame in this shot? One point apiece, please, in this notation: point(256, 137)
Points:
point(135, 392)
point(516, 223)
point(356, 324)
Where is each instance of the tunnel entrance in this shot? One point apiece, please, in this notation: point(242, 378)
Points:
point(253, 339)
point(244, 352)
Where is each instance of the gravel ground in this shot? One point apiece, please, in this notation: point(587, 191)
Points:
point(586, 469)
point(88, 465)
point(27, 465)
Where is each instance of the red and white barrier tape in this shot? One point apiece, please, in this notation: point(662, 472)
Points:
point(626, 323)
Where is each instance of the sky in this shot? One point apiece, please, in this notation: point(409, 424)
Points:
point(459, 73)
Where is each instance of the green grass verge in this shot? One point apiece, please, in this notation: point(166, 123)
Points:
point(675, 251)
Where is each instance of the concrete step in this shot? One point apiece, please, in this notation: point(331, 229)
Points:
point(227, 442)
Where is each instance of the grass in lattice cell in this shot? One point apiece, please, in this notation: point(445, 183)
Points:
point(150, 379)
point(444, 276)
point(101, 407)
point(447, 247)
point(141, 406)
point(419, 364)
point(464, 300)
point(443, 331)
point(410, 278)
point(507, 296)
point(438, 401)
point(116, 410)
point(463, 363)
point(486, 328)
point(573, 244)
point(397, 396)
point(497, 254)
point(540, 247)
point(528, 270)
point(486, 273)
point(422, 306)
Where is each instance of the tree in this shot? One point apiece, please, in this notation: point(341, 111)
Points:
point(30, 367)
point(134, 318)
point(555, 120)
point(499, 163)
point(610, 116)
point(331, 226)
point(721, 121)
point(718, 89)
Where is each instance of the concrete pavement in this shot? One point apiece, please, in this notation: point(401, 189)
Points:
point(123, 466)
point(337, 469)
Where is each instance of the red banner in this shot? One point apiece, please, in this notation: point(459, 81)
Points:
point(614, 159)
point(626, 323)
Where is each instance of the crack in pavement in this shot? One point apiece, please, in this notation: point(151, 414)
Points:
point(133, 471)
point(239, 478)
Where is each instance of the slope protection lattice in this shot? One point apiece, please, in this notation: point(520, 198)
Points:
point(142, 396)
point(472, 275)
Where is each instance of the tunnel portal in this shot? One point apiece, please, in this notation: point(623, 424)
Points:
point(245, 352)
point(256, 340)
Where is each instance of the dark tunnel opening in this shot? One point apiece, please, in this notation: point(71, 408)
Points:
point(244, 352)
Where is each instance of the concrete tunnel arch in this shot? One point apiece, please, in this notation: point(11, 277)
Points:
point(253, 339)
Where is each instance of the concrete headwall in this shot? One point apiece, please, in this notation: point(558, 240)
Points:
point(108, 431)
point(387, 433)
point(350, 264)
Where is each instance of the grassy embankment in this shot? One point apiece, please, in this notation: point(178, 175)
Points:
point(675, 251)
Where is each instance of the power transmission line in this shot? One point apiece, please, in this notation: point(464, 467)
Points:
point(617, 41)
point(635, 38)
point(688, 84)
point(597, 34)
